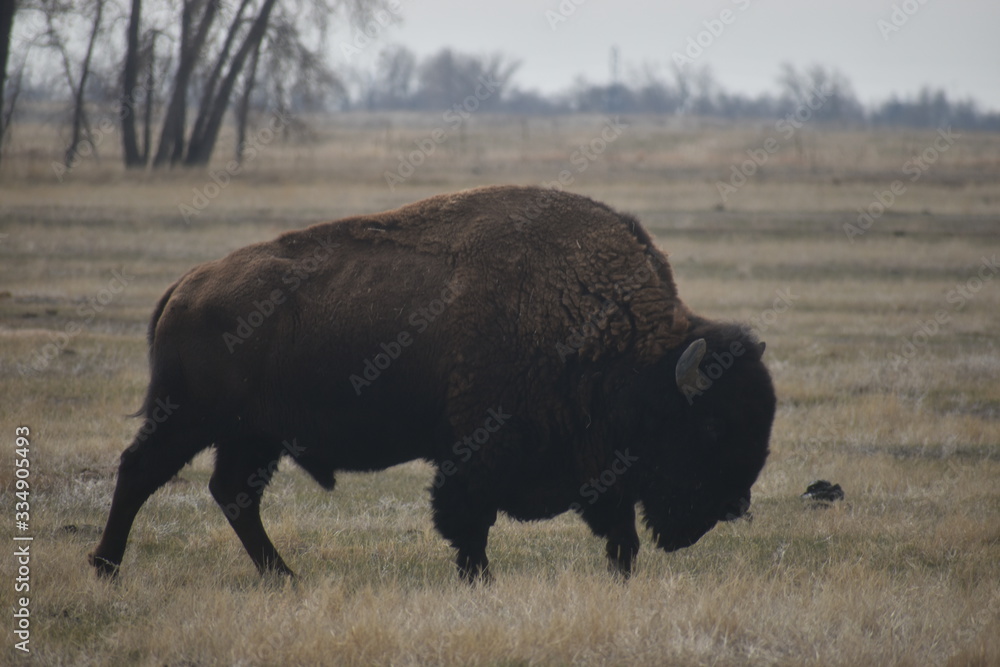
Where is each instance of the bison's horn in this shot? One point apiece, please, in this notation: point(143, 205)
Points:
point(763, 346)
point(686, 372)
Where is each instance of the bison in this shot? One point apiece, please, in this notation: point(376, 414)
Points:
point(529, 343)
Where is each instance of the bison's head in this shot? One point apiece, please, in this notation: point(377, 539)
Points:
point(706, 425)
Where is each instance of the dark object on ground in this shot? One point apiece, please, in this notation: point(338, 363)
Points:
point(528, 342)
point(86, 531)
point(823, 493)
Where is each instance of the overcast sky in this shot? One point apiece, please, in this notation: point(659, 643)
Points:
point(949, 44)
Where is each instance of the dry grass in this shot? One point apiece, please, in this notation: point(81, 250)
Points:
point(905, 571)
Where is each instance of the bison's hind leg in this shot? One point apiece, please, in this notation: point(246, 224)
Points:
point(243, 469)
point(154, 457)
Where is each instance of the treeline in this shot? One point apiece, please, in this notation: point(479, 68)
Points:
point(163, 76)
point(401, 81)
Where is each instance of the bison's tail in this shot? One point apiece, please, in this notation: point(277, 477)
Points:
point(150, 398)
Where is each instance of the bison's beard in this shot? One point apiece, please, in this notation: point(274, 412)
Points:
point(674, 535)
point(678, 522)
point(678, 519)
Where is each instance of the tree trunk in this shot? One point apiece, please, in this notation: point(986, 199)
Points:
point(6, 24)
point(15, 90)
point(172, 136)
point(147, 112)
point(129, 79)
point(79, 112)
point(200, 149)
point(243, 109)
point(213, 80)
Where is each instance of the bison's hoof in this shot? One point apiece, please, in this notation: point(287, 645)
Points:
point(619, 571)
point(282, 573)
point(474, 576)
point(104, 567)
point(483, 578)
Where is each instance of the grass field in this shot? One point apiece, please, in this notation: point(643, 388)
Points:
point(884, 350)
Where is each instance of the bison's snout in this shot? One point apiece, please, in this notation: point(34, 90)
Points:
point(737, 510)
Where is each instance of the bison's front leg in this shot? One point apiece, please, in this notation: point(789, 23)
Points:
point(465, 523)
point(615, 520)
point(472, 563)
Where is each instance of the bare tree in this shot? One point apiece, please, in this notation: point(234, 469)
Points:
point(57, 37)
point(130, 79)
point(289, 71)
point(201, 146)
point(695, 88)
point(392, 83)
point(7, 114)
point(446, 78)
point(295, 75)
point(6, 25)
point(826, 92)
point(171, 147)
point(216, 43)
point(243, 108)
point(22, 28)
point(148, 58)
point(208, 93)
point(653, 92)
point(80, 126)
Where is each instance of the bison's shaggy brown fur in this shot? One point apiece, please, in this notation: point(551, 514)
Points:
point(527, 341)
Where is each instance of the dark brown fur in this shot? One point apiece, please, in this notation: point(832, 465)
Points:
point(547, 313)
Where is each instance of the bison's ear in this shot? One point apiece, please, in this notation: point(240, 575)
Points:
point(686, 371)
